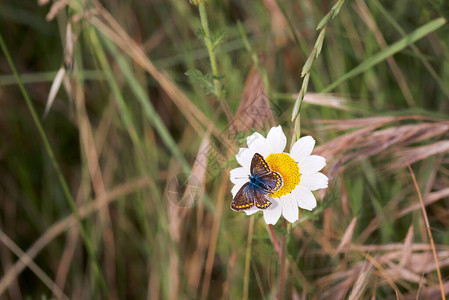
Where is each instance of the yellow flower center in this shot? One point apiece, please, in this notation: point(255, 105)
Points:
point(289, 170)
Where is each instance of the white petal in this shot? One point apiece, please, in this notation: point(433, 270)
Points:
point(289, 208)
point(254, 137)
point(272, 214)
point(311, 164)
point(251, 211)
point(239, 174)
point(237, 187)
point(304, 198)
point(313, 182)
point(244, 157)
point(258, 144)
point(276, 139)
point(302, 148)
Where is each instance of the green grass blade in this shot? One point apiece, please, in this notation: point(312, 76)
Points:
point(148, 109)
point(415, 49)
point(62, 181)
point(393, 49)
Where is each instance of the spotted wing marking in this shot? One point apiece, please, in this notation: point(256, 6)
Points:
point(259, 166)
point(251, 194)
point(244, 198)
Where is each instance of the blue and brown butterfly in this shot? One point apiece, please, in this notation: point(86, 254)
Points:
point(262, 182)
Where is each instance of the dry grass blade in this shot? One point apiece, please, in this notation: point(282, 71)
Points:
point(431, 292)
point(386, 276)
point(351, 124)
point(96, 177)
point(54, 89)
point(67, 257)
point(176, 208)
point(412, 155)
point(214, 236)
point(369, 140)
point(27, 260)
point(55, 8)
point(408, 134)
point(68, 222)
point(424, 262)
point(428, 199)
point(407, 250)
point(335, 148)
point(42, 2)
point(379, 141)
point(429, 232)
point(402, 276)
point(340, 290)
point(254, 111)
point(110, 28)
point(69, 46)
point(361, 282)
point(174, 215)
point(392, 272)
point(328, 100)
point(340, 144)
point(198, 177)
point(279, 25)
point(347, 236)
point(63, 70)
point(391, 247)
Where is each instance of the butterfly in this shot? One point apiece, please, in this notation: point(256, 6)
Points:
point(262, 181)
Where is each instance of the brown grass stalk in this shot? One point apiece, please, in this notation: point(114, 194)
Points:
point(429, 232)
point(254, 111)
point(221, 196)
point(5, 240)
point(121, 39)
point(248, 260)
point(66, 223)
point(96, 177)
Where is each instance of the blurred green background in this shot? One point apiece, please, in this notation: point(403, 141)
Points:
point(108, 130)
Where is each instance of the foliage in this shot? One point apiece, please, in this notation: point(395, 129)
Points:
point(122, 190)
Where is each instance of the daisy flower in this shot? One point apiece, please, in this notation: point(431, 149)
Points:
point(299, 170)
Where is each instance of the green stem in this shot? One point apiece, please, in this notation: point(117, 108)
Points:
point(65, 188)
point(307, 68)
point(296, 130)
point(208, 41)
point(213, 61)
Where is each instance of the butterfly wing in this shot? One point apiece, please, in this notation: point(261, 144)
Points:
point(259, 166)
point(261, 200)
point(247, 196)
point(244, 199)
point(263, 182)
point(271, 182)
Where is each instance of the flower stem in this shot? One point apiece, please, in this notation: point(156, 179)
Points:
point(275, 240)
point(282, 259)
point(213, 62)
point(248, 258)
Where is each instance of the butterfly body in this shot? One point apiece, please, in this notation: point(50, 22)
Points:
point(262, 182)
